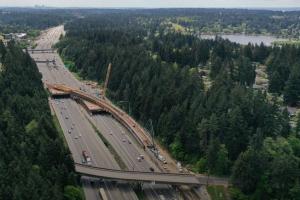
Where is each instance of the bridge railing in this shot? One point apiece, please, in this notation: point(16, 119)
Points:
point(134, 172)
point(121, 116)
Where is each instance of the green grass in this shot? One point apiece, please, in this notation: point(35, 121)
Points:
point(287, 42)
point(140, 194)
point(118, 159)
point(59, 129)
point(217, 192)
point(82, 192)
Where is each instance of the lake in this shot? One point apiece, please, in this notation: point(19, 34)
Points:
point(245, 39)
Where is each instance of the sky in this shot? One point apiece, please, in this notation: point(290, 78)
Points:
point(154, 3)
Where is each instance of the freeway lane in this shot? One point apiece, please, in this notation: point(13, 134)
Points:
point(68, 112)
point(94, 148)
point(124, 144)
point(61, 75)
point(105, 123)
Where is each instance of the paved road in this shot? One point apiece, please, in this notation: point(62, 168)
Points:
point(87, 137)
point(89, 141)
point(129, 153)
point(124, 144)
point(156, 177)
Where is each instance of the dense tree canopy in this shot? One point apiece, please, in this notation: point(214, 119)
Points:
point(34, 163)
point(227, 128)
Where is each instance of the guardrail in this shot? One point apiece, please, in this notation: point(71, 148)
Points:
point(118, 114)
point(167, 178)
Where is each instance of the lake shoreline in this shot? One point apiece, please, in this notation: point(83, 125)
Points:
point(244, 39)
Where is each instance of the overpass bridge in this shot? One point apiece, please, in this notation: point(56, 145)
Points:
point(46, 61)
point(154, 177)
point(40, 50)
point(141, 136)
point(138, 132)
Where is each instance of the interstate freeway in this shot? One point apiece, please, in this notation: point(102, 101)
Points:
point(83, 136)
point(71, 118)
point(80, 134)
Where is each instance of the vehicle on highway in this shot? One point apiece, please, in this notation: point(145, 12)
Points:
point(124, 140)
point(69, 131)
point(76, 137)
point(139, 159)
point(151, 169)
point(86, 157)
point(162, 159)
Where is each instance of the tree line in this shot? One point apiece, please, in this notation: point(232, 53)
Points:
point(34, 163)
point(228, 129)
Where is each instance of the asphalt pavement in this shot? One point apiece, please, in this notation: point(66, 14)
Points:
point(82, 136)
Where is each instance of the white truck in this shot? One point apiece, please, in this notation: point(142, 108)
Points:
point(162, 159)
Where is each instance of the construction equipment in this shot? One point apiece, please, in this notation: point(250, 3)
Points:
point(106, 79)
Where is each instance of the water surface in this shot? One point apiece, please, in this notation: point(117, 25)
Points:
point(245, 39)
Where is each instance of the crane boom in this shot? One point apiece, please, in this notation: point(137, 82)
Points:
point(106, 79)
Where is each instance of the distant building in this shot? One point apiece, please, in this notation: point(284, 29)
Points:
point(14, 36)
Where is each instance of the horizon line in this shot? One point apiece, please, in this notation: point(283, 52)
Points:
point(148, 7)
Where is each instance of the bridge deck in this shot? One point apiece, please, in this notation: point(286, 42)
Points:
point(168, 178)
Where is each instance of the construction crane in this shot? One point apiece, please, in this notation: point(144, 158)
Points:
point(106, 79)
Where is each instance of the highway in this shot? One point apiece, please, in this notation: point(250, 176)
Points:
point(71, 118)
point(87, 138)
point(83, 137)
point(129, 150)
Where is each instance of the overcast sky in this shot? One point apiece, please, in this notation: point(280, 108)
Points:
point(153, 3)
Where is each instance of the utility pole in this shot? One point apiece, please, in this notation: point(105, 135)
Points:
point(106, 79)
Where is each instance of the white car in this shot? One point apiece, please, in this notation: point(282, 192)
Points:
point(69, 131)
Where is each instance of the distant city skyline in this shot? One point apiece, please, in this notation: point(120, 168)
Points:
point(154, 3)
